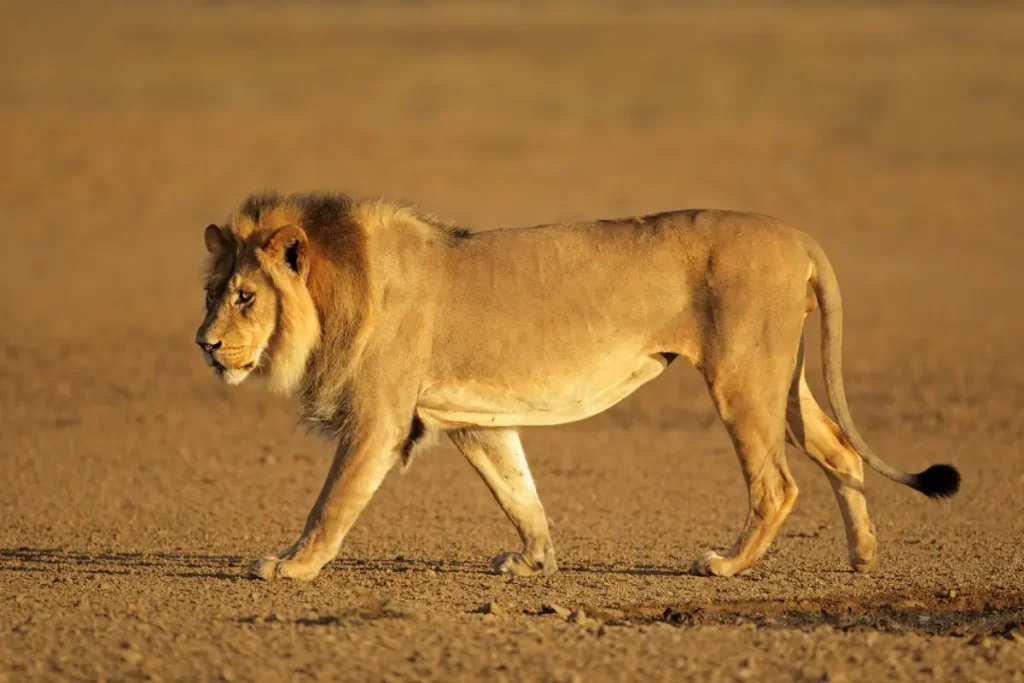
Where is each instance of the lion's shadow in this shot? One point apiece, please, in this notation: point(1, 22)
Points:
point(232, 567)
point(61, 561)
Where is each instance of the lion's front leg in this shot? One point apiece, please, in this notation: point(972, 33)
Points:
point(290, 563)
point(358, 469)
point(497, 455)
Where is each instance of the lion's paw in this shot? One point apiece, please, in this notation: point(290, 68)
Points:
point(863, 559)
point(268, 568)
point(862, 552)
point(711, 563)
point(519, 564)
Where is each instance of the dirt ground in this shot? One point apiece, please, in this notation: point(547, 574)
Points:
point(134, 487)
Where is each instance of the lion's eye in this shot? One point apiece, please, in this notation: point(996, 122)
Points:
point(245, 297)
point(209, 296)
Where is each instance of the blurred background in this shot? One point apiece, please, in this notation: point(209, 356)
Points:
point(129, 126)
point(893, 133)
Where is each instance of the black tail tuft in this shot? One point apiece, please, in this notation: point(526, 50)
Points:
point(938, 481)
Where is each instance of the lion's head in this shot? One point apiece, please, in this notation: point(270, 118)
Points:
point(290, 292)
point(259, 314)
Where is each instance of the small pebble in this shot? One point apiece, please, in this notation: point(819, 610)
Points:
point(579, 617)
point(489, 608)
point(557, 610)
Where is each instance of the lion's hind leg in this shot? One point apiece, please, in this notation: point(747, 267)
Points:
point(748, 366)
point(758, 436)
point(820, 438)
point(497, 455)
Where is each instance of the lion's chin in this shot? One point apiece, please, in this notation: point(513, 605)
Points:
point(233, 376)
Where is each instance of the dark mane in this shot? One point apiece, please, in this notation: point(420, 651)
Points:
point(456, 235)
point(259, 203)
point(329, 221)
point(328, 217)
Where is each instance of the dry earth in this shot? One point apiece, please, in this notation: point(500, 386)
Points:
point(134, 486)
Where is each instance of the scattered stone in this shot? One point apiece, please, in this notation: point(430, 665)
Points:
point(679, 618)
point(747, 668)
point(489, 608)
point(981, 641)
point(131, 657)
point(227, 673)
point(608, 614)
point(557, 610)
point(579, 617)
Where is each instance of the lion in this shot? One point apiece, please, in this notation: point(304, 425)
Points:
point(390, 326)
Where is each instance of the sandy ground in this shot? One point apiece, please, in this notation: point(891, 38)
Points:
point(135, 487)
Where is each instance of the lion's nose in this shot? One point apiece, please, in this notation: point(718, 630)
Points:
point(207, 346)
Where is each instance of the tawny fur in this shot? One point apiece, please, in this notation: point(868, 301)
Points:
point(390, 325)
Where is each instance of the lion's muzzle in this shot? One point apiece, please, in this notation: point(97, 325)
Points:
point(208, 348)
point(232, 364)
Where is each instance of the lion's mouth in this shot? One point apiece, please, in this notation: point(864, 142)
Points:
point(221, 368)
point(230, 372)
point(234, 365)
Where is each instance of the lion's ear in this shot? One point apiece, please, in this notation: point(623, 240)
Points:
point(290, 247)
point(215, 240)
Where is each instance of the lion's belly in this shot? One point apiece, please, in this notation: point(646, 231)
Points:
point(559, 400)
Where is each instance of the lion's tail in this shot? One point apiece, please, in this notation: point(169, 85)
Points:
point(938, 481)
